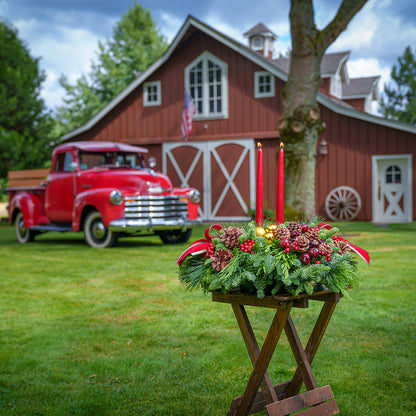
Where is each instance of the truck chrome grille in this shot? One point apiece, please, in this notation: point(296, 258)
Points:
point(155, 206)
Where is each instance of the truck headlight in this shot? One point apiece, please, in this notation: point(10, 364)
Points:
point(116, 197)
point(194, 196)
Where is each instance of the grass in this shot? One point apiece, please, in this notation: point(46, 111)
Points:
point(112, 332)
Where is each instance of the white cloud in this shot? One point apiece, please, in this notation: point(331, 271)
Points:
point(170, 25)
point(72, 52)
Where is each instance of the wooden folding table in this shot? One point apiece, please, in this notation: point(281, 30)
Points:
point(282, 399)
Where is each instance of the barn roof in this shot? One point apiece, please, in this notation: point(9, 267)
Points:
point(267, 64)
point(360, 87)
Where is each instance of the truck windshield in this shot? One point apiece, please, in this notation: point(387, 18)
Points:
point(91, 160)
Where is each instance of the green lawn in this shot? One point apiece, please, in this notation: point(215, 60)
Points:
point(112, 332)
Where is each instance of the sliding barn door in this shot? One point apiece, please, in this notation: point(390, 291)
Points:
point(223, 171)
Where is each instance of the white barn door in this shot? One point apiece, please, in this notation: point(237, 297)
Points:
point(223, 171)
point(392, 188)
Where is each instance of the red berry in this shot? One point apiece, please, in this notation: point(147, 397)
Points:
point(287, 250)
point(305, 228)
point(284, 243)
point(317, 262)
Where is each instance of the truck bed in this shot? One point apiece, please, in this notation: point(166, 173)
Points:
point(27, 180)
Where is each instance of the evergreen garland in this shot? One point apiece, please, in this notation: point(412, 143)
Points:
point(269, 266)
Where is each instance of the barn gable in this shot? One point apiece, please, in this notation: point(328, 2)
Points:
point(148, 112)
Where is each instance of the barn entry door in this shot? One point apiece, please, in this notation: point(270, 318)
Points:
point(392, 188)
point(223, 171)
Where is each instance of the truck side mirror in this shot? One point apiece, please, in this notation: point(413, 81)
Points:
point(73, 166)
point(152, 161)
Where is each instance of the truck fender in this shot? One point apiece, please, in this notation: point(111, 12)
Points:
point(192, 206)
point(30, 206)
point(98, 199)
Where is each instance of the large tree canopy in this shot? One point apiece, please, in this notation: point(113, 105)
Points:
point(399, 101)
point(301, 124)
point(135, 44)
point(24, 125)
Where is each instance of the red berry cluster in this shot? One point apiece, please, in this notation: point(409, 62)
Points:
point(210, 250)
point(313, 255)
point(247, 246)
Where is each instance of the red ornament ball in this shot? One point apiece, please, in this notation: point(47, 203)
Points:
point(314, 251)
point(305, 258)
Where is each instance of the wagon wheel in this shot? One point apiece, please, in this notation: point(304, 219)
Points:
point(343, 204)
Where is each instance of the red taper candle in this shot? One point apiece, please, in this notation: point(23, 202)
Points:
point(259, 189)
point(280, 187)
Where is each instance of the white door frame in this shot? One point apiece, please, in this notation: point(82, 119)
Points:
point(408, 206)
point(205, 150)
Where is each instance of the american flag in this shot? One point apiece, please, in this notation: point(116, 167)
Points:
point(188, 112)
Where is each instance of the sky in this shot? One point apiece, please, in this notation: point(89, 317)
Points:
point(64, 34)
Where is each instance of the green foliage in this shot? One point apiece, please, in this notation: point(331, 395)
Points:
point(269, 269)
point(25, 127)
point(135, 44)
point(399, 101)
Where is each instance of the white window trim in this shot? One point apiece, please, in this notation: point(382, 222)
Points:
point(146, 102)
point(257, 93)
point(205, 56)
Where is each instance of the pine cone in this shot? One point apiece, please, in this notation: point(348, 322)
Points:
point(230, 236)
point(325, 248)
point(295, 228)
point(221, 258)
point(313, 233)
point(342, 246)
point(281, 232)
point(303, 242)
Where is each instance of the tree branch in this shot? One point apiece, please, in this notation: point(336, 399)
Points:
point(347, 10)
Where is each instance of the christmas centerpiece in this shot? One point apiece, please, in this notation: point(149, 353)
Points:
point(267, 259)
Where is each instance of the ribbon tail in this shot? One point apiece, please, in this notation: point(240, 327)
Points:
point(361, 252)
point(198, 247)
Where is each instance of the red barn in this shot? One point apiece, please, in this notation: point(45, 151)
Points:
point(361, 159)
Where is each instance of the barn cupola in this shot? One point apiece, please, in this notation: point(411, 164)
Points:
point(261, 39)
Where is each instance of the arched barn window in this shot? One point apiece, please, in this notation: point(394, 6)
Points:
point(206, 80)
point(393, 174)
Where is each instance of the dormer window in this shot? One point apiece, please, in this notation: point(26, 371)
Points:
point(206, 80)
point(263, 84)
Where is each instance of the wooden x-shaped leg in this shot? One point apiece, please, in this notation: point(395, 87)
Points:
point(304, 361)
point(260, 358)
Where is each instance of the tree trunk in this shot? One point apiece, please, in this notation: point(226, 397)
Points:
point(301, 125)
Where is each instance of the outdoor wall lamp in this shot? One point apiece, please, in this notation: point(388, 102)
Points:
point(323, 147)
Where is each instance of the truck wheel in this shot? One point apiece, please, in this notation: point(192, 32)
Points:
point(97, 235)
point(175, 236)
point(23, 235)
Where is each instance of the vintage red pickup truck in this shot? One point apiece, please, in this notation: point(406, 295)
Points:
point(105, 190)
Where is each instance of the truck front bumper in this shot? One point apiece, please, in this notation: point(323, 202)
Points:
point(151, 224)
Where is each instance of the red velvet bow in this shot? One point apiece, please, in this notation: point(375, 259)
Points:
point(360, 251)
point(201, 245)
